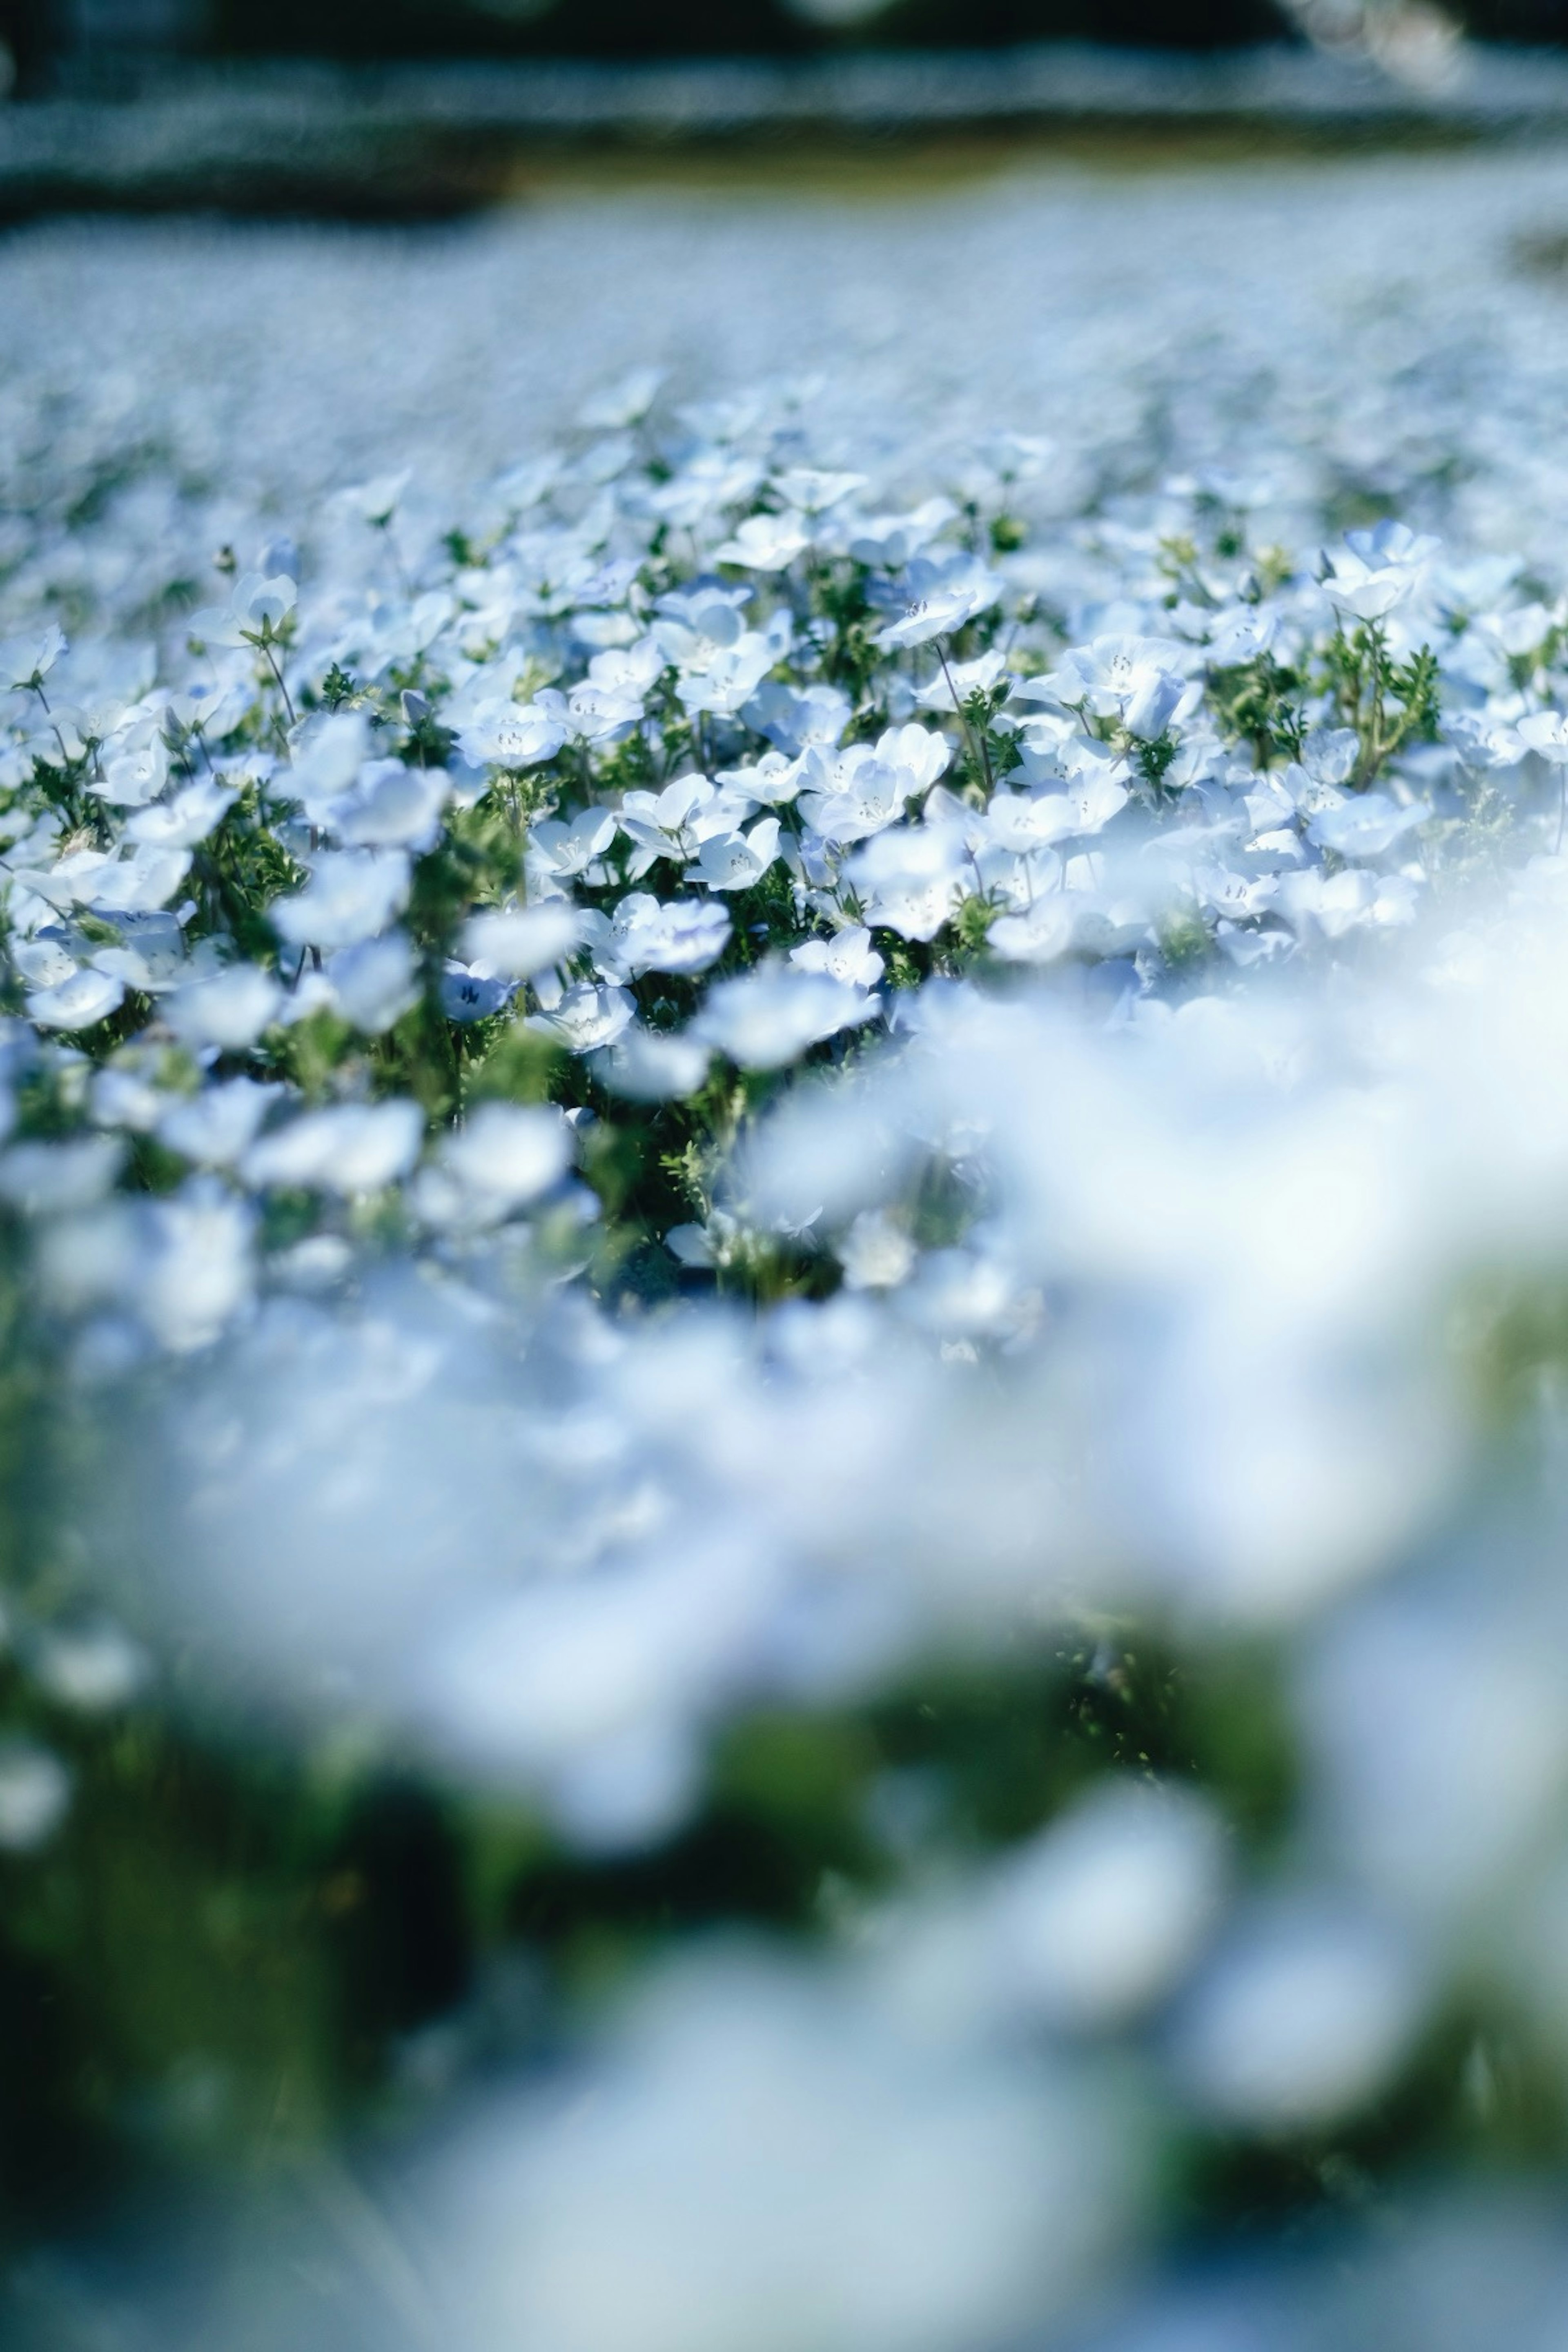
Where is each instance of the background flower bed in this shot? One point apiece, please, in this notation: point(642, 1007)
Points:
point(1093, 1635)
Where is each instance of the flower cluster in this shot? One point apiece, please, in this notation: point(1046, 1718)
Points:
point(693, 1115)
point(698, 766)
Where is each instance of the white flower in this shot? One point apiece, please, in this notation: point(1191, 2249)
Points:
point(1377, 569)
point(27, 661)
point(392, 806)
point(602, 714)
point(1546, 731)
point(766, 543)
point(515, 943)
point(911, 880)
point(944, 597)
point(505, 734)
point(1139, 680)
point(351, 1148)
point(58, 1179)
point(1023, 822)
point(78, 1003)
point(194, 1271)
point(505, 1155)
point(814, 490)
point(875, 1254)
point(1365, 825)
point(773, 781)
point(848, 957)
point(216, 1126)
point(562, 851)
point(893, 541)
point(792, 717)
point(646, 1065)
point(35, 1795)
point(737, 860)
point(950, 688)
point(184, 821)
point(351, 896)
point(662, 824)
point(328, 756)
point(1044, 931)
point(470, 995)
point(587, 1018)
point(847, 795)
point(257, 606)
point(230, 1010)
point(769, 1016)
point(43, 962)
point(729, 676)
point(682, 935)
point(133, 885)
point(132, 777)
point(375, 982)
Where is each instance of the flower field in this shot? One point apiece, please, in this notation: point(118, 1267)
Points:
point(785, 1273)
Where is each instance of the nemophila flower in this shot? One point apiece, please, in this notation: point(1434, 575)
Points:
point(792, 718)
point(515, 943)
point(766, 1017)
point(813, 489)
point(680, 935)
point(183, 821)
point(1027, 821)
point(35, 1795)
point(588, 1017)
point(772, 781)
point(766, 543)
point(1045, 930)
point(847, 795)
point(194, 1269)
point(563, 850)
point(391, 806)
point(27, 661)
point(947, 689)
point(216, 1126)
point(60, 1180)
point(911, 880)
point(507, 734)
point(650, 1065)
point(1367, 824)
point(665, 824)
point(603, 714)
point(625, 402)
point(893, 541)
point(134, 774)
point(467, 994)
point(1545, 732)
point(351, 894)
point(875, 1254)
point(85, 998)
point(1376, 570)
point(712, 481)
point(1335, 905)
point(723, 680)
point(503, 1157)
point(229, 1010)
point(1139, 681)
point(942, 597)
point(1239, 636)
point(849, 956)
point(375, 984)
point(737, 861)
point(44, 961)
point(256, 608)
point(350, 1149)
point(153, 958)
